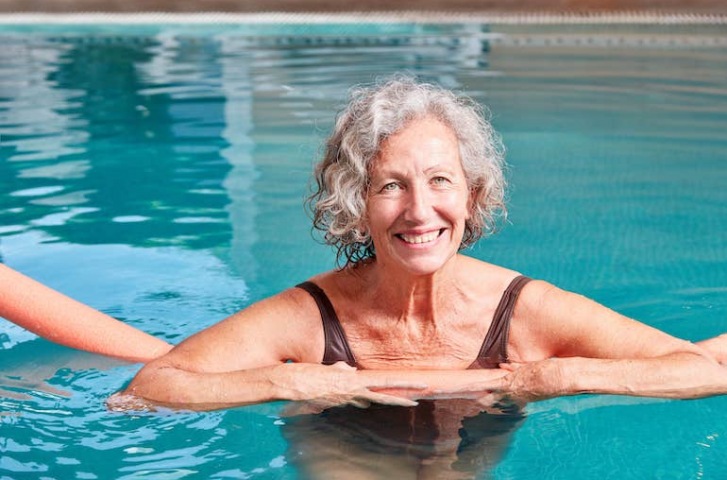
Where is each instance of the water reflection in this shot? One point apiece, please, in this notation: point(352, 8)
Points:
point(442, 439)
point(34, 124)
point(118, 148)
point(131, 154)
point(173, 130)
point(237, 86)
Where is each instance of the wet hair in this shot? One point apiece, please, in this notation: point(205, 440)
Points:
point(374, 113)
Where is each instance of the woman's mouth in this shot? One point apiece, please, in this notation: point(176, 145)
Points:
point(421, 237)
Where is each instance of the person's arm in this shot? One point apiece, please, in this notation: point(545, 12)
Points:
point(716, 347)
point(268, 351)
point(567, 344)
point(60, 319)
point(272, 351)
point(676, 375)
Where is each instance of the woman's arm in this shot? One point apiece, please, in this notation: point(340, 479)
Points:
point(60, 319)
point(585, 347)
point(677, 375)
point(305, 382)
point(272, 351)
point(716, 347)
point(319, 385)
point(269, 351)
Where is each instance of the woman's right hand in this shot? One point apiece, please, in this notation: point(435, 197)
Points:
point(318, 387)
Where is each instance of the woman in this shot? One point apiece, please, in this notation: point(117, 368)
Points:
point(412, 174)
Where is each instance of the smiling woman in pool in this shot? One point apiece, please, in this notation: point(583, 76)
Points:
point(411, 175)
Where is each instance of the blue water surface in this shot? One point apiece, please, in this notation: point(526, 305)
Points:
point(157, 173)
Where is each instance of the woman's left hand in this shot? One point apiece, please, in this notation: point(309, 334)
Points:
point(345, 385)
point(678, 375)
point(521, 382)
point(535, 380)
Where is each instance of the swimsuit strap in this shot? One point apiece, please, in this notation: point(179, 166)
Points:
point(492, 353)
point(336, 345)
point(494, 349)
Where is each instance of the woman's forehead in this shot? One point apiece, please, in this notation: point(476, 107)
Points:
point(424, 144)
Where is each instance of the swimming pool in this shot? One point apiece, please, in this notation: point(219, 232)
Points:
point(156, 172)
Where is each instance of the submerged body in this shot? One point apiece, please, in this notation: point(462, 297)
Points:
point(447, 439)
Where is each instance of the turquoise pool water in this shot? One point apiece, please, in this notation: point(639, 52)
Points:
point(157, 172)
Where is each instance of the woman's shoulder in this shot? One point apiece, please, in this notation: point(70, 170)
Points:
point(350, 277)
point(484, 273)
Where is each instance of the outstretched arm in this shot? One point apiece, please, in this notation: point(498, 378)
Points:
point(676, 376)
point(583, 347)
point(268, 351)
point(318, 385)
point(272, 351)
point(60, 319)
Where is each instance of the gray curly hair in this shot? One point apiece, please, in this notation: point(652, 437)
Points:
point(338, 199)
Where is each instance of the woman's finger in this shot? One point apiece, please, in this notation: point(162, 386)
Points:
point(490, 400)
point(490, 385)
point(360, 402)
point(384, 399)
point(397, 386)
point(293, 409)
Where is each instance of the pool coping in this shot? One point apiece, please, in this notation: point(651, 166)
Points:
point(404, 16)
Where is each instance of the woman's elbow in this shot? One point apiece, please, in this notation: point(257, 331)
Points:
point(147, 380)
point(152, 386)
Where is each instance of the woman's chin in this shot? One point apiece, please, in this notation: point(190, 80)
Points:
point(423, 265)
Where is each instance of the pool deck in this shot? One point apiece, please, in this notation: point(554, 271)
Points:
point(718, 7)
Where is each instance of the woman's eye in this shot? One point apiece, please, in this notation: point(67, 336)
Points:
point(390, 187)
point(440, 180)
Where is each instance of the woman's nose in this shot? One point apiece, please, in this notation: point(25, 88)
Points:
point(419, 204)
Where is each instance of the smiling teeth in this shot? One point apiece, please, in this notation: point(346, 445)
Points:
point(425, 238)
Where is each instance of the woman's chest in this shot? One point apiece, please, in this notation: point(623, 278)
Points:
point(447, 342)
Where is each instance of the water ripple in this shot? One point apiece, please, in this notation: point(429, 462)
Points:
point(157, 174)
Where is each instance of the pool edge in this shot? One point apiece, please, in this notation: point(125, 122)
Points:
point(408, 16)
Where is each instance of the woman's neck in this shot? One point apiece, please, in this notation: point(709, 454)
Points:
point(416, 298)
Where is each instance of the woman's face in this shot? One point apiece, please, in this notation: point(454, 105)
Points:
point(418, 200)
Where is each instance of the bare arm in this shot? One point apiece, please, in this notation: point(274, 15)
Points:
point(716, 347)
point(677, 375)
point(269, 351)
point(328, 385)
point(321, 385)
point(60, 319)
point(272, 351)
point(586, 347)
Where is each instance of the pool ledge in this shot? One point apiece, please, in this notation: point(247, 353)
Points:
point(409, 16)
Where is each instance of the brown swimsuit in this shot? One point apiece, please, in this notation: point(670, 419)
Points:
point(430, 429)
point(492, 353)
